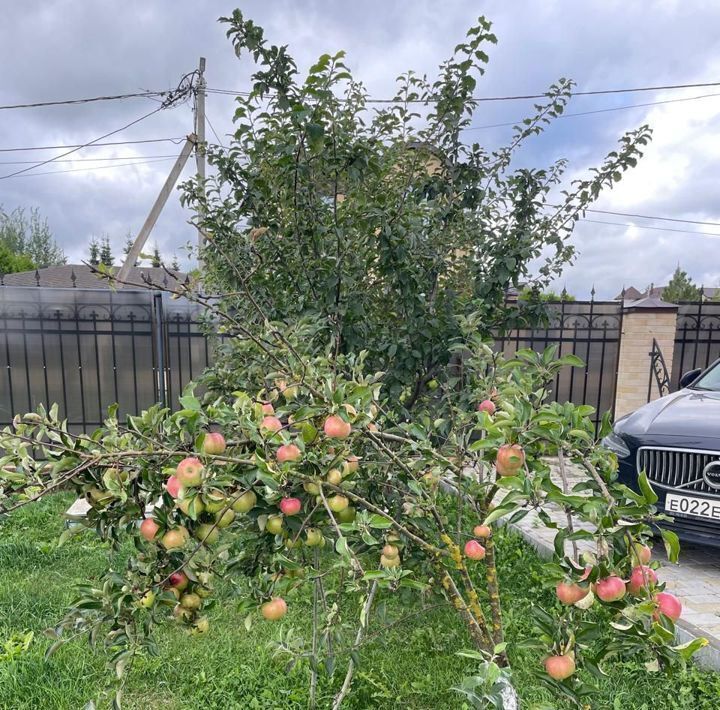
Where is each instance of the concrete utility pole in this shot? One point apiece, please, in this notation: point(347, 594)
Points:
point(195, 140)
point(200, 133)
point(134, 253)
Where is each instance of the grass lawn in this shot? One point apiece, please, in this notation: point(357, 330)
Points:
point(412, 665)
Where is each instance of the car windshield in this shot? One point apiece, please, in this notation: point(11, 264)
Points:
point(710, 380)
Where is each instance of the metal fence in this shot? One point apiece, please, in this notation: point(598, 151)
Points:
point(697, 337)
point(589, 329)
point(87, 348)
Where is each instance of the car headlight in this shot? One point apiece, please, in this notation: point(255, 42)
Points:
point(615, 443)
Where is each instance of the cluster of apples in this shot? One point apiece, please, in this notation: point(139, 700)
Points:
point(474, 550)
point(334, 427)
point(611, 589)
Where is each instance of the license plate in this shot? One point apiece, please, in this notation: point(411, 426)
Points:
point(696, 507)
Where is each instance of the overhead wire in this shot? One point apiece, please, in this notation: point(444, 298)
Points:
point(656, 229)
point(176, 141)
point(588, 113)
point(69, 102)
point(183, 90)
point(97, 167)
point(88, 160)
point(518, 97)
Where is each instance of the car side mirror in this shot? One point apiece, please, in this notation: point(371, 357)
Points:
point(689, 377)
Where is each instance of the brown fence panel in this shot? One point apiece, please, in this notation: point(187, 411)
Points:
point(89, 348)
point(589, 329)
point(697, 338)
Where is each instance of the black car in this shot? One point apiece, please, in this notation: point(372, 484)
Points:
point(676, 441)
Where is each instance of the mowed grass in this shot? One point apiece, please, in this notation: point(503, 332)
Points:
point(410, 665)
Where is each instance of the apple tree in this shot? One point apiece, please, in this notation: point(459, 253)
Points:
point(356, 262)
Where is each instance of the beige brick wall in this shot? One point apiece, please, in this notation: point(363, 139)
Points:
point(639, 329)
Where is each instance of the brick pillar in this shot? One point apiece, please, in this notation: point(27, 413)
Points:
point(643, 320)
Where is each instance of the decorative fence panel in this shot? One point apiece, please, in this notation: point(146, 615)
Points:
point(86, 349)
point(592, 331)
point(697, 337)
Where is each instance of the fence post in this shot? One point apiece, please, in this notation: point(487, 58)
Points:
point(160, 351)
point(644, 321)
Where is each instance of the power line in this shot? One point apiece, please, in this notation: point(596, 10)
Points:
point(68, 102)
point(97, 167)
point(663, 219)
point(88, 160)
point(212, 128)
point(656, 229)
point(521, 97)
point(588, 113)
point(73, 150)
point(184, 89)
point(176, 141)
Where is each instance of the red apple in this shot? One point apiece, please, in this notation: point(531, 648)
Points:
point(189, 472)
point(290, 506)
point(177, 537)
point(669, 605)
point(267, 408)
point(474, 550)
point(178, 580)
point(640, 577)
point(390, 551)
point(173, 486)
point(149, 529)
point(288, 452)
point(510, 459)
point(271, 423)
point(610, 589)
point(487, 405)
point(560, 667)
point(336, 428)
point(214, 443)
point(275, 609)
point(482, 531)
point(570, 593)
point(641, 554)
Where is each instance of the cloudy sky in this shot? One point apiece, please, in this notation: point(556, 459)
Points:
point(59, 49)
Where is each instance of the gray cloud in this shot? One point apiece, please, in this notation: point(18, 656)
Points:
point(70, 48)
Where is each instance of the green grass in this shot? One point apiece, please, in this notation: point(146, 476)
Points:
point(411, 665)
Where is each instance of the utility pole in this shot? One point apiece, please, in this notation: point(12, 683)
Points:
point(196, 141)
point(200, 133)
point(134, 252)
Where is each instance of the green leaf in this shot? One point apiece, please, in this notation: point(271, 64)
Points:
point(646, 489)
point(672, 544)
point(377, 521)
point(190, 402)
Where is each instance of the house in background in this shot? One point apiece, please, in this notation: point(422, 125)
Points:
point(633, 294)
point(82, 276)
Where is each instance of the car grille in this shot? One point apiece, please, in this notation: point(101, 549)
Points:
point(678, 468)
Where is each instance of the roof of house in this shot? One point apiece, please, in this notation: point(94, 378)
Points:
point(632, 294)
point(82, 276)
